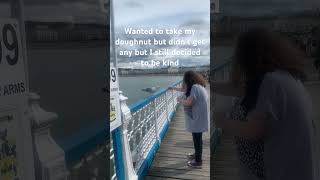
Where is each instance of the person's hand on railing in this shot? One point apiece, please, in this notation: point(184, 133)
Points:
point(185, 101)
point(177, 89)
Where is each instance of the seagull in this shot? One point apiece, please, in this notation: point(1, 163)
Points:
point(151, 89)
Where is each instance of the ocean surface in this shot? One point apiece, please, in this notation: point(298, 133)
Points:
point(70, 81)
point(132, 86)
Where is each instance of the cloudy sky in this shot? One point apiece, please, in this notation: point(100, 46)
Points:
point(189, 14)
point(266, 7)
point(129, 11)
point(61, 10)
point(89, 10)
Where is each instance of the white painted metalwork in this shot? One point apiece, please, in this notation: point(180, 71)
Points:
point(219, 73)
point(148, 120)
point(113, 175)
point(48, 166)
point(127, 158)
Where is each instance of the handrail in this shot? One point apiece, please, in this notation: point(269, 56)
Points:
point(85, 140)
point(146, 127)
point(135, 106)
point(222, 65)
point(87, 148)
point(138, 105)
point(219, 72)
point(80, 145)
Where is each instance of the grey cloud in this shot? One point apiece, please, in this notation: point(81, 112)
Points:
point(133, 4)
point(66, 10)
point(263, 7)
point(56, 2)
point(196, 23)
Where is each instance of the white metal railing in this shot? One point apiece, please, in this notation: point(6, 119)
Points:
point(223, 71)
point(47, 165)
point(57, 164)
point(219, 73)
point(113, 175)
point(147, 122)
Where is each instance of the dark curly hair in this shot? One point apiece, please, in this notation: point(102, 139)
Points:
point(259, 51)
point(190, 78)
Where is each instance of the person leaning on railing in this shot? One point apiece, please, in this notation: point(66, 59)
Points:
point(195, 105)
point(272, 121)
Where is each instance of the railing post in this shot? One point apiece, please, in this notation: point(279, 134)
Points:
point(156, 120)
point(130, 173)
point(173, 101)
point(167, 106)
point(51, 165)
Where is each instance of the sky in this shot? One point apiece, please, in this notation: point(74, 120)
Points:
point(163, 14)
point(89, 10)
point(61, 10)
point(129, 11)
point(141, 13)
point(266, 7)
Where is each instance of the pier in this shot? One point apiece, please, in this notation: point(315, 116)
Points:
point(153, 142)
point(144, 126)
point(171, 162)
point(225, 163)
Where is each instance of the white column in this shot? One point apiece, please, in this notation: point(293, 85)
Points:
point(127, 157)
point(157, 130)
point(167, 107)
point(49, 157)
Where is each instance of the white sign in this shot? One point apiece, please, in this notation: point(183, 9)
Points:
point(15, 132)
point(12, 73)
point(115, 112)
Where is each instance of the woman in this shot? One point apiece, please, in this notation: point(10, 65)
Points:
point(272, 123)
point(196, 112)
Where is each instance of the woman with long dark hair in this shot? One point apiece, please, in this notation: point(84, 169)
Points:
point(272, 122)
point(196, 112)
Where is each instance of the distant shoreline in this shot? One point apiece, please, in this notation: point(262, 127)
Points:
point(135, 75)
point(67, 44)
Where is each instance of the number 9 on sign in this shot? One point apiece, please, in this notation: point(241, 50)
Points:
point(9, 45)
point(113, 75)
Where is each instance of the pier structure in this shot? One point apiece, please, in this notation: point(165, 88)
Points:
point(144, 125)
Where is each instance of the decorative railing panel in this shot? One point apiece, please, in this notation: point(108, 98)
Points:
point(219, 73)
point(86, 152)
point(149, 118)
point(113, 175)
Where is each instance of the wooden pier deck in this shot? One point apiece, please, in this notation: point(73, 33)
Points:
point(224, 161)
point(171, 162)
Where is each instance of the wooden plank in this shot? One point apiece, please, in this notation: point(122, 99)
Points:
point(171, 161)
point(224, 162)
point(159, 178)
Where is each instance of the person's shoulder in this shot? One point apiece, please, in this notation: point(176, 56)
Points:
point(276, 77)
point(272, 75)
point(277, 81)
point(197, 86)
